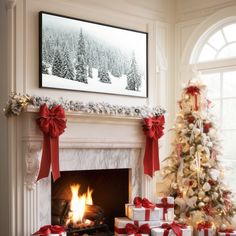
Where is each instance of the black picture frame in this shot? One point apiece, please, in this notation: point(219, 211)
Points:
point(86, 56)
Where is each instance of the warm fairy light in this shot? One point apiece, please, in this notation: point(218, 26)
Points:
point(78, 204)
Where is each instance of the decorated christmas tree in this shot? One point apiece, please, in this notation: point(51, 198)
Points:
point(192, 172)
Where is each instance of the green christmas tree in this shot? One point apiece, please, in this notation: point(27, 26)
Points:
point(193, 173)
point(57, 64)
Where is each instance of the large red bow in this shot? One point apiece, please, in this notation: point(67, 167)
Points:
point(52, 123)
point(134, 229)
point(153, 129)
point(139, 202)
point(176, 227)
point(50, 229)
point(165, 205)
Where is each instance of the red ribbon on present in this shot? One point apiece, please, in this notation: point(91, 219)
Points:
point(194, 91)
point(153, 129)
point(204, 226)
point(50, 229)
point(139, 202)
point(52, 123)
point(226, 231)
point(135, 229)
point(165, 205)
point(176, 228)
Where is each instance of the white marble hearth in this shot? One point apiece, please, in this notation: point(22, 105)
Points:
point(89, 142)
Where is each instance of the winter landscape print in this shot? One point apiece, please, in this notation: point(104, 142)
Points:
point(91, 57)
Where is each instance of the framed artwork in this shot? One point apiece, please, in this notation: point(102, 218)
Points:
point(87, 56)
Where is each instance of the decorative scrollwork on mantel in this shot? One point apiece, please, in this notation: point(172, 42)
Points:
point(32, 157)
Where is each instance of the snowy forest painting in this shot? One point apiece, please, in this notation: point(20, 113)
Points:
point(86, 56)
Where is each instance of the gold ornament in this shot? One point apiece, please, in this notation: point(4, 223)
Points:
point(206, 199)
point(201, 194)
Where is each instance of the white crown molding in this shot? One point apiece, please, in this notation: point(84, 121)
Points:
point(204, 12)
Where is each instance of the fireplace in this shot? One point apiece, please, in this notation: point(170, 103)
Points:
point(110, 191)
point(90, 143)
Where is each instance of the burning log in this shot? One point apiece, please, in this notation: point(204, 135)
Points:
point(94, 213)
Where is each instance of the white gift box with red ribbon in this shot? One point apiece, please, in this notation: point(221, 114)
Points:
point(142, 213)
point(206, 232)
point(233, 233)
point(166, 206)
point(121, 222)
point(160, 232)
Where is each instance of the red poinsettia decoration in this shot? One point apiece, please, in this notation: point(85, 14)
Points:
point(206, 127)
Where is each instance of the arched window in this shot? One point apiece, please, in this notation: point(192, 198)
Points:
point(215, 56)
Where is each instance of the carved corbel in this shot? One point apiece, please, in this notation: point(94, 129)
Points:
point(32, 157)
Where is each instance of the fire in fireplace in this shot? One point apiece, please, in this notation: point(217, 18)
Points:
point(86, 202)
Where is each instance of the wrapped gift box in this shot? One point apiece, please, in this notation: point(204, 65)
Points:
point(120, 223)
point(206, 232)
point(50, 230)
point(225, 233)
point(160, 232)
point(166, 206)
point(145, 214)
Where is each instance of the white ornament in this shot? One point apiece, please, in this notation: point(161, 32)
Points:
point(210, 144)
point(206, 186)
point(214, 174)
point(215, 195)
point(201, 194)
point(223, 227)
point(201, 204)
point(199, 147)
point(191, 126)
point(197, 131)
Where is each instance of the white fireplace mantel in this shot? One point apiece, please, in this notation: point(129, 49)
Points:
point(90, 141)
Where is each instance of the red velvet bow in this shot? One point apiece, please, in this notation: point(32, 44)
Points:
point(139, 202)
point(193, 90)
point(50, 229)
point(52, 123)
point(165, 205)
point(204, 225)
point(153, 129)
point(134, 229)
point(176, 228)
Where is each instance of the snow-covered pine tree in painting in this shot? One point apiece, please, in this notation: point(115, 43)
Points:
point(84, 56)
point(57, 64)
point(81, 67)
point(67, 67)
point(133, 77)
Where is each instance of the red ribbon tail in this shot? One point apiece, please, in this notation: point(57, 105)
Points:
point(176, 229)
point(166, 232)
point(151, 158)
point(54, 147)
point(205, 232)
point(46, 159)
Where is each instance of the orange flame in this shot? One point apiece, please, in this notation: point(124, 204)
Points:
point(78, 204)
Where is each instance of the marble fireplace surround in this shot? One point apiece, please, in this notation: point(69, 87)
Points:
point(90, 142)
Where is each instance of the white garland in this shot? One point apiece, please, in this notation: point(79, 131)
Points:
point(18, 103)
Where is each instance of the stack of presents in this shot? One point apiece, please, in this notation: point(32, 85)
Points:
point(144, 218)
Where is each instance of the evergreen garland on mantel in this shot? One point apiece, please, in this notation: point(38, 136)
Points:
point(18, 103)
